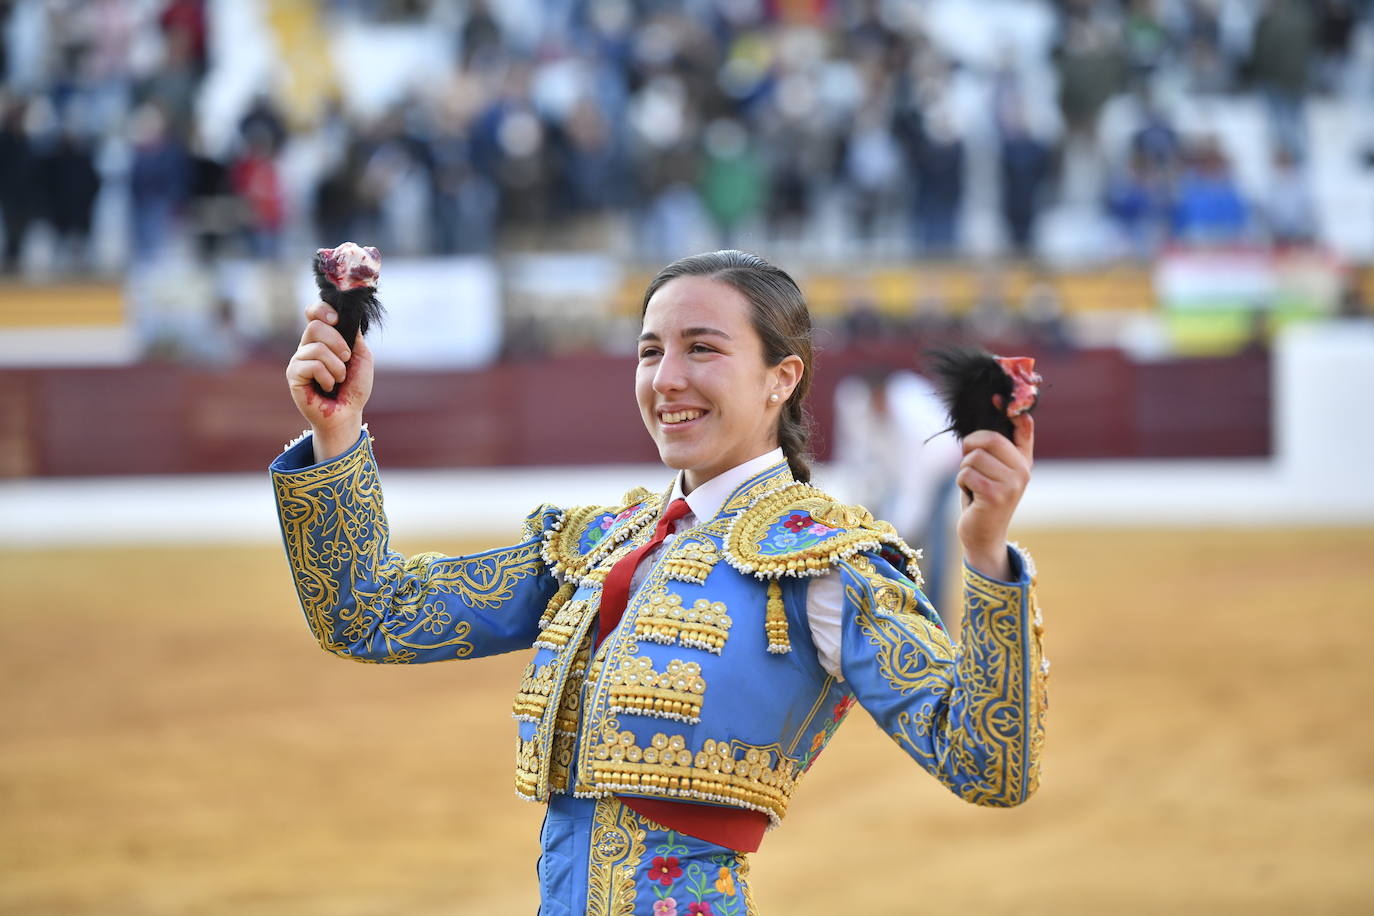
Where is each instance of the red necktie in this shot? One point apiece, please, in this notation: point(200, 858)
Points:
point(615, 592)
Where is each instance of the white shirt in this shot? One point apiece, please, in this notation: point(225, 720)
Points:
point(824, 597)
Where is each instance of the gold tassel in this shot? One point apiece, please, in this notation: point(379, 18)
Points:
point(556, 603)
point(775, 621)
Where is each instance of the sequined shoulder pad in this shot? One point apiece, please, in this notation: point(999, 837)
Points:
point(800, 531)
point(582, 536)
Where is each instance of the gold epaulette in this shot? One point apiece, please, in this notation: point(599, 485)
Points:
point(583, 536)
point(801, 531)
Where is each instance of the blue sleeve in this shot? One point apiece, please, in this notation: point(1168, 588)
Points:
point(366, 602)
point(973, 715)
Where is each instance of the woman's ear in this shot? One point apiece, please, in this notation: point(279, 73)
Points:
point(786, 375)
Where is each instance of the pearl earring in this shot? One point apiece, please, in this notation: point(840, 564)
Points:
point(773, 397)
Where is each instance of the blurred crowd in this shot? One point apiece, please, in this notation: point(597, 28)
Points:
point(649, 127)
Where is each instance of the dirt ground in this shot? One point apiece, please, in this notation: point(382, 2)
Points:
point(175, 743)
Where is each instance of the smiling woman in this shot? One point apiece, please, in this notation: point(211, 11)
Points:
point(692, 651)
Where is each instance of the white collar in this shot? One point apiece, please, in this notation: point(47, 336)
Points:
point(705, 501)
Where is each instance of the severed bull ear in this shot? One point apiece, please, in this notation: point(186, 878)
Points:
point(983, 391)
point(347, 279)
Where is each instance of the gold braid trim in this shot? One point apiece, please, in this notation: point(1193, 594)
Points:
point(713, 774)
point(617, 846)
point(676, 693)
point(663, 619)
point(563, 540)
point(564, 624)
point(533, 696)
point(691, 559)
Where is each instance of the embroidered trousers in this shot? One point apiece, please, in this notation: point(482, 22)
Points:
point(601, 858)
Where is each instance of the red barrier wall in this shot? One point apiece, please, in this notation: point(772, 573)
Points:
point(157, 419)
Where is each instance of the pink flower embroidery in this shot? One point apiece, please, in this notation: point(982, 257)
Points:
point(699, 909)
point(665, 907)
point(665, 871)
point(818, 529)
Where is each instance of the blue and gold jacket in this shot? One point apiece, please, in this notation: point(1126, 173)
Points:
point(710, 689)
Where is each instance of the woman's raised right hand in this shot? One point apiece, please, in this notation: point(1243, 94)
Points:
point(334, 423)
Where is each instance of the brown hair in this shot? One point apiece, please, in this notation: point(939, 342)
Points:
point(781, 319)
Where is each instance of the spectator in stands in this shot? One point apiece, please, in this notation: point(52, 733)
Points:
point(1026, 163)
point(185, 19)
point(872, 164)
point(255, 179)
point(214, 212)
point(592, 164)
point(1281, 63)
point(158, 180)
point(1146, 40)
point(1155, 138)
point(1336, 24)
point(264, 120)
point(1092, 68)
point(936, 154)
point(70, 183)
point(18, 181)
point(732, 179)
point(465, 201)
point(174, 85)
point(1208, 207)
point(1138, 199)
point(1289, 211)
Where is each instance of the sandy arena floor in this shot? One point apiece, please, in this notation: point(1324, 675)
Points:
point(175, 743)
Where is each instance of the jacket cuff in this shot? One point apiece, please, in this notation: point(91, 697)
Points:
point(299, 454)
point(1022, 568)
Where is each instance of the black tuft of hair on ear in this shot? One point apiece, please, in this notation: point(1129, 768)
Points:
point(968, 378)
point(359, 309)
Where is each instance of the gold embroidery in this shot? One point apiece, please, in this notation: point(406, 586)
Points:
point(332, 515)
point(692, 560)
point(527, 769)
point(775, 621)
point(742, 876)
point(636, 495)
point(533, 696)
point(564, 624)
point(536, 759)
point(673, 694)
point(745, 540)
point(988, 752)
point(714, 774)
point(562, 542)
point(775, 478)
point(596, 717)
point(617, 846)
point(570, 703)
point(663, 619)
point(556, 603)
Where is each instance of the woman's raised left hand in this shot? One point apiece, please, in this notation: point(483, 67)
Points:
point(996, 471)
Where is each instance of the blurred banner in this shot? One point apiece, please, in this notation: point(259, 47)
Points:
point(1218, 300)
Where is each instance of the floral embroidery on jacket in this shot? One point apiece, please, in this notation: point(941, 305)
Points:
point(795, 532)
point(700, 889)
point(665, 870)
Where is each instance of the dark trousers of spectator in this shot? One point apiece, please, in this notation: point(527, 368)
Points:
point(17, 220)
